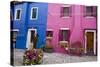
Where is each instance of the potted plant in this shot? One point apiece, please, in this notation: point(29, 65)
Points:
point(33, 56)
point(64, 44)
point(76, 48)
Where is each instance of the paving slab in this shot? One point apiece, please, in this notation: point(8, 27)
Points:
point(53, 58)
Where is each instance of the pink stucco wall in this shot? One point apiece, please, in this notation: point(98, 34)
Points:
point(76, 23)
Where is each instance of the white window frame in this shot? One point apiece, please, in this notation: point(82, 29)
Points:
point(94, 47)
point(15, 30)
point(16, 13)
point(36, 13)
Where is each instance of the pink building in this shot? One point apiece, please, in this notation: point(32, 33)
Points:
point(67, 24)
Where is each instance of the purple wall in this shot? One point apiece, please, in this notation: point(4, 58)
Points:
point(76, 23)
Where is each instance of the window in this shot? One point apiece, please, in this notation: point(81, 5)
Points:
point(14, 36)
point(49, 33)
point(11, 16)
point(34, 13)
point(65, 11)
point(89, 11)
point(18, 14)
point(64, 35)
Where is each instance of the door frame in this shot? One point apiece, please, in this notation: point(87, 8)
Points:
point(15, 30)
point(29, 35)
point(94, 45)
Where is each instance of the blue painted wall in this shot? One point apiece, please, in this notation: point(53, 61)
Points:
point(26, 23)
point(40, 23)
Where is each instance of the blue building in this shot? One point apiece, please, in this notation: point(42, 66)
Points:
point(29, 19)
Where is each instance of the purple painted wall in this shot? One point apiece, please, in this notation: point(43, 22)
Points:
point(76, 23)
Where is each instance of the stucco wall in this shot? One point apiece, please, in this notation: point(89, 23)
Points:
point(76, 23)
point(26, 23)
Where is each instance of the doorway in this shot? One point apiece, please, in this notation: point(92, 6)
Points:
point(90, 42)
point(31, 41)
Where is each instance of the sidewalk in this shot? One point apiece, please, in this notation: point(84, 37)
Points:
point(53, 58)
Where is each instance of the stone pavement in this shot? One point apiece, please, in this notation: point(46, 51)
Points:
point(53, 58)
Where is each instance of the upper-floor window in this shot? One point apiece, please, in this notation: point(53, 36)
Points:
point(34, 13)
point(90, 11)
point(65, 11)
point(18, 14)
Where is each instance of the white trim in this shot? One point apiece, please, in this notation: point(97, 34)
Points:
point(94, 46)
point(63, 42)
point(89, 17)
point(64, 28)
point(28, 37)
point(49, 38)
point(66, 5)
point(15, 17)
point(36, 13)
point(49, 29)
point(14, 29)
point(34, 30)
point(66, 17)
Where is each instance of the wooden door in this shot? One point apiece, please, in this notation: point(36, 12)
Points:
point(90, 42)
point(33, 38)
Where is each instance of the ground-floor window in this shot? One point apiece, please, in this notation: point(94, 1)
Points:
point(64, 35)
point(14, 34)
point(49, 33)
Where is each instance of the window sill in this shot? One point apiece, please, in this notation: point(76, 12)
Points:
point(48, 38)
point(89, 17)
point(66, 17)
point(33, 18)
point(17, 19)
point(63, 42)
point(14, 40)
